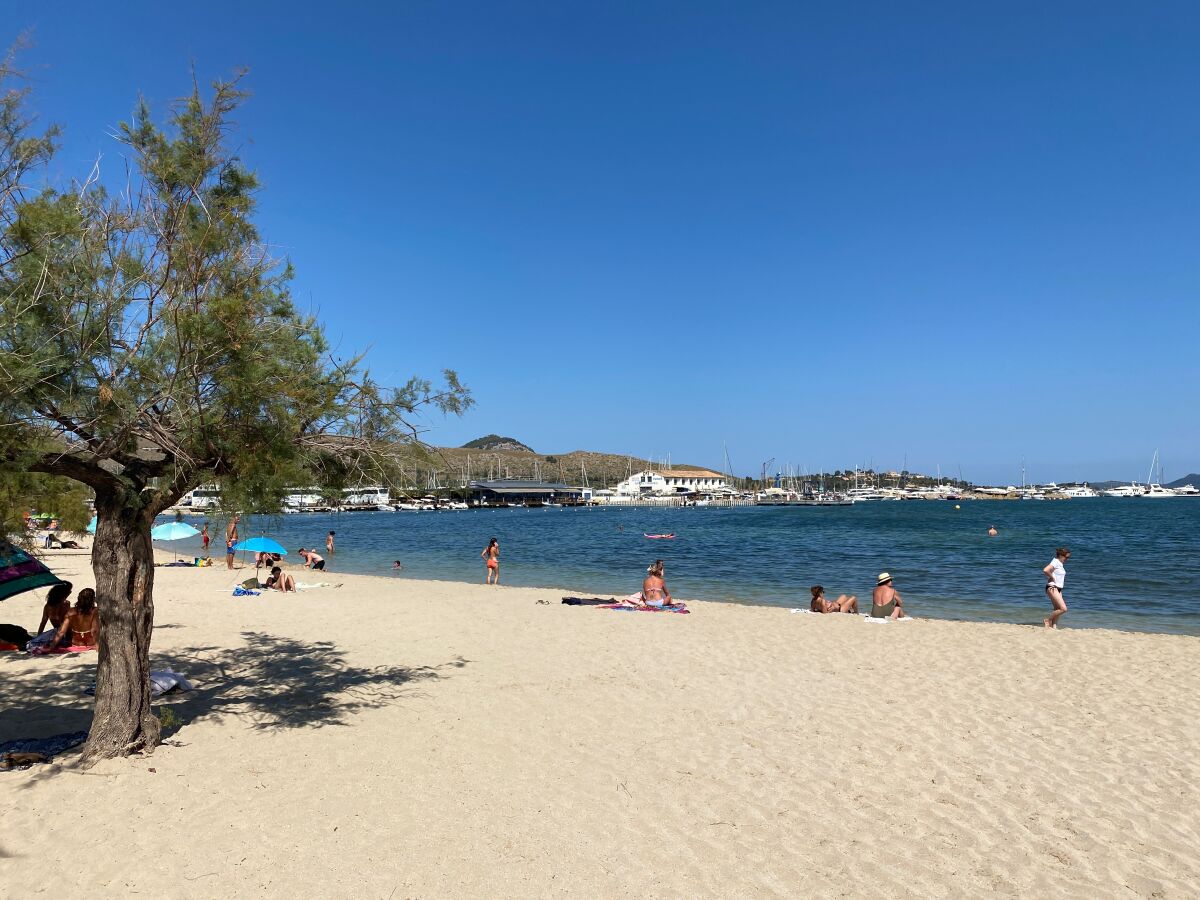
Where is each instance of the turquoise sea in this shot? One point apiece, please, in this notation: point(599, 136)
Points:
point(1135, 563)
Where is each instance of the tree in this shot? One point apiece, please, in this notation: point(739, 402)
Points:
point(148, 344)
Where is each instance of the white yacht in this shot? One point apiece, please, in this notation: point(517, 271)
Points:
point(1187, 490)
point(862, 495)
point(1125, 490)
point(1154, 489)
point(1079, 491)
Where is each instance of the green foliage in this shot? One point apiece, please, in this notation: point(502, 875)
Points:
point(149, 341)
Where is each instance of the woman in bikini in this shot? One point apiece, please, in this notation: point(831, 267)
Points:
point(491, 557)
point(57, 608)
point(80, 627)
point(842, 604)
point(654, 588)
point(280, 581)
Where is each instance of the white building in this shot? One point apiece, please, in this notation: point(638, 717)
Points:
point(670, 482)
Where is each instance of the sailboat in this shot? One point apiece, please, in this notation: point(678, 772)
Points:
point(1155, 488)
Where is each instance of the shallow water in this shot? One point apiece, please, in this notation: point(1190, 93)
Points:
point(1134, 564)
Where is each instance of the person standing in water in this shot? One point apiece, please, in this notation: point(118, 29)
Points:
point(1056, 578)
point(329, 542)
point(491, 558)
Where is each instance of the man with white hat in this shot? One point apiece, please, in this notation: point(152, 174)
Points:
point(885, 601)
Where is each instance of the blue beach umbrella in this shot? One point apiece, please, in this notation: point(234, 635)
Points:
point(172, 531)
point(260, 545)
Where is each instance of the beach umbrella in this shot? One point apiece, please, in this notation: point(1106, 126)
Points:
point(172, 531)
point(92, 526)
point(20, 572)
point(260, 545)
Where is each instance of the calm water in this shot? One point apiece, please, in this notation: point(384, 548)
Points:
point(1135, 563)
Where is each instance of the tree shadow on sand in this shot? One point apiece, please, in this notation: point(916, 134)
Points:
point(279, 682)
point(270, 682)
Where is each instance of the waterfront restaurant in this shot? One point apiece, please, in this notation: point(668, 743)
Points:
point(522, 492)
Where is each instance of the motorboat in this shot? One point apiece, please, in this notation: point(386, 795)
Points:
point(1078, 492)
point(1154, 489)
point(1125, 490)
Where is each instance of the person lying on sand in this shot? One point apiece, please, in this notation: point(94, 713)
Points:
point(842, 604)
point(280, 581)
point(885, 599)
point(81, 624)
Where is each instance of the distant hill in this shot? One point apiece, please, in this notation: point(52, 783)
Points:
point(495, 442)
point(1186, 479)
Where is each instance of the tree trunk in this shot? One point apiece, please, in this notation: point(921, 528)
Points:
point(123, 563)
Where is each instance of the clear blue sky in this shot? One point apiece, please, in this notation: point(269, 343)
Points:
point(828, 233)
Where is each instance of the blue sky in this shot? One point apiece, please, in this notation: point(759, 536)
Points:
point(957, 233)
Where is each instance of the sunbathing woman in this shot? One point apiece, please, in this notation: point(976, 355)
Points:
point(654, 589)
point(57, 608)
point(280, 581)
point(80, 627)
point(842, 604)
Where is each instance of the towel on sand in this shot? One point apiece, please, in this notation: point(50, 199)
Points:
point(588, 601)
point(161, 682)
point(675, 608)
point(43, 650)
point(46, 748)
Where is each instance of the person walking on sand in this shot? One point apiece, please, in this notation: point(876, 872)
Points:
point(885, 599)
point(231, 539)
point(329, 543)
point(1056, 578)
point(491, 559)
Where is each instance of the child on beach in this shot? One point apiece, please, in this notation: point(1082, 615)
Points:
point(1056, 578)
point(491, 557)
point(205, 538)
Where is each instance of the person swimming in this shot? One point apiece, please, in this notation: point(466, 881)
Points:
point(843, 604)
point(992, 532)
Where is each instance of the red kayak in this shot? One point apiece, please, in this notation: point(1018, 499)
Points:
point(659, 537)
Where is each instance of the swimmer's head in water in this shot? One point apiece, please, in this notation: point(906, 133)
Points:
point(656, 568)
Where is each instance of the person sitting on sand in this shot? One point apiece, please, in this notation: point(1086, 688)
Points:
point(80, 627)
point(885, 599)
point(57, 608)
point(842, 604)
point(280, 580)
point(312, 560)
point(654, 588)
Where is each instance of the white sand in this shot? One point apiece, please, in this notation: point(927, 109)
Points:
point(395, 738)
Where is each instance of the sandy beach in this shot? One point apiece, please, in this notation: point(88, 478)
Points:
point(392, 738)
